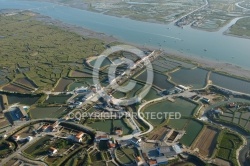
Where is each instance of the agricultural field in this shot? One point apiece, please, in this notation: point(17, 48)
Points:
point(238, 116)
point(22, 99)
point(178, 124)
point(162, 64)
point(27, 82)
point(104, 62)
point(196, 78)
point(241, 28)
point(3, 121)
point(184, 107)
point(159, 133)
point(206, 141)
point(77, 73)
point(57, 99)
point(47, 112)
point(192, 129)
point(77, 159)
point(5, 149)
point(31, 150)
point(16, 88)
point(108, 125)
point(28, 131)
point(46, 53)
point(62, 85)
point(43, 151)
point(229, 143)
point(96, 158)
point(75, 85)
point(126, 155)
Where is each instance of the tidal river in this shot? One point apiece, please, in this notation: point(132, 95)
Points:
point(168, 37)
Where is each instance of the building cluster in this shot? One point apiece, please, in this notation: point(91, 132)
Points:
point(175, 90)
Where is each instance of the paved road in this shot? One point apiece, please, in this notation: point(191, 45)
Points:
point(151, 127)
point(5, 160)
point(206, 3)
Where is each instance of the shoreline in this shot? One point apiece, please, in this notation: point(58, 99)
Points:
point(220, 67)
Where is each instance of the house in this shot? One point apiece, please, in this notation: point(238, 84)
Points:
point(101, 138)
point(111, 144)
point(218, 112)
point(166, 151)
point(118, 131)
point(29, 138)
point(205, 100)
point(139, 161)
point(136, 140)
point(152, 163)
point(44, 127)
point(78, 137)
point(16, 137)
point(52, 150)
point(177, 149)
point(161, 160)
point(231, 105)
point(183, 87)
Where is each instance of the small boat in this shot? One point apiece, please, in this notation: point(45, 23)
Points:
point(205, 49)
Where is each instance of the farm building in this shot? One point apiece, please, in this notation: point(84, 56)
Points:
point(101, 138)
point(161, 160)
point(152, 163)
point(16, 114)
point(52, 150)
point(78, 137)
point(167, 151)
point(183, 87)
point(136, 140)
point(139, 161)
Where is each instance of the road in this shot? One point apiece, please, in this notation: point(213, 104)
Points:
point(238, 5)
point(203, 6)
point(151, 127)
point(18, 151)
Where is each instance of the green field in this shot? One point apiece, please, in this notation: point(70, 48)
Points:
point(22, 99)
point(228, 146)
point(152, 94)
point(238, 116)
point(57, 99)
point(241, 27)
point(41, 148)
point(47, 112)
point(43, 53)
point(75, 85)
point(126, 155)
point(38, 146)
point(192, 129)
point(108, 125)
point(177, 124)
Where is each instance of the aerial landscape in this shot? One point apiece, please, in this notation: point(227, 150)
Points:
point(125, 82)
